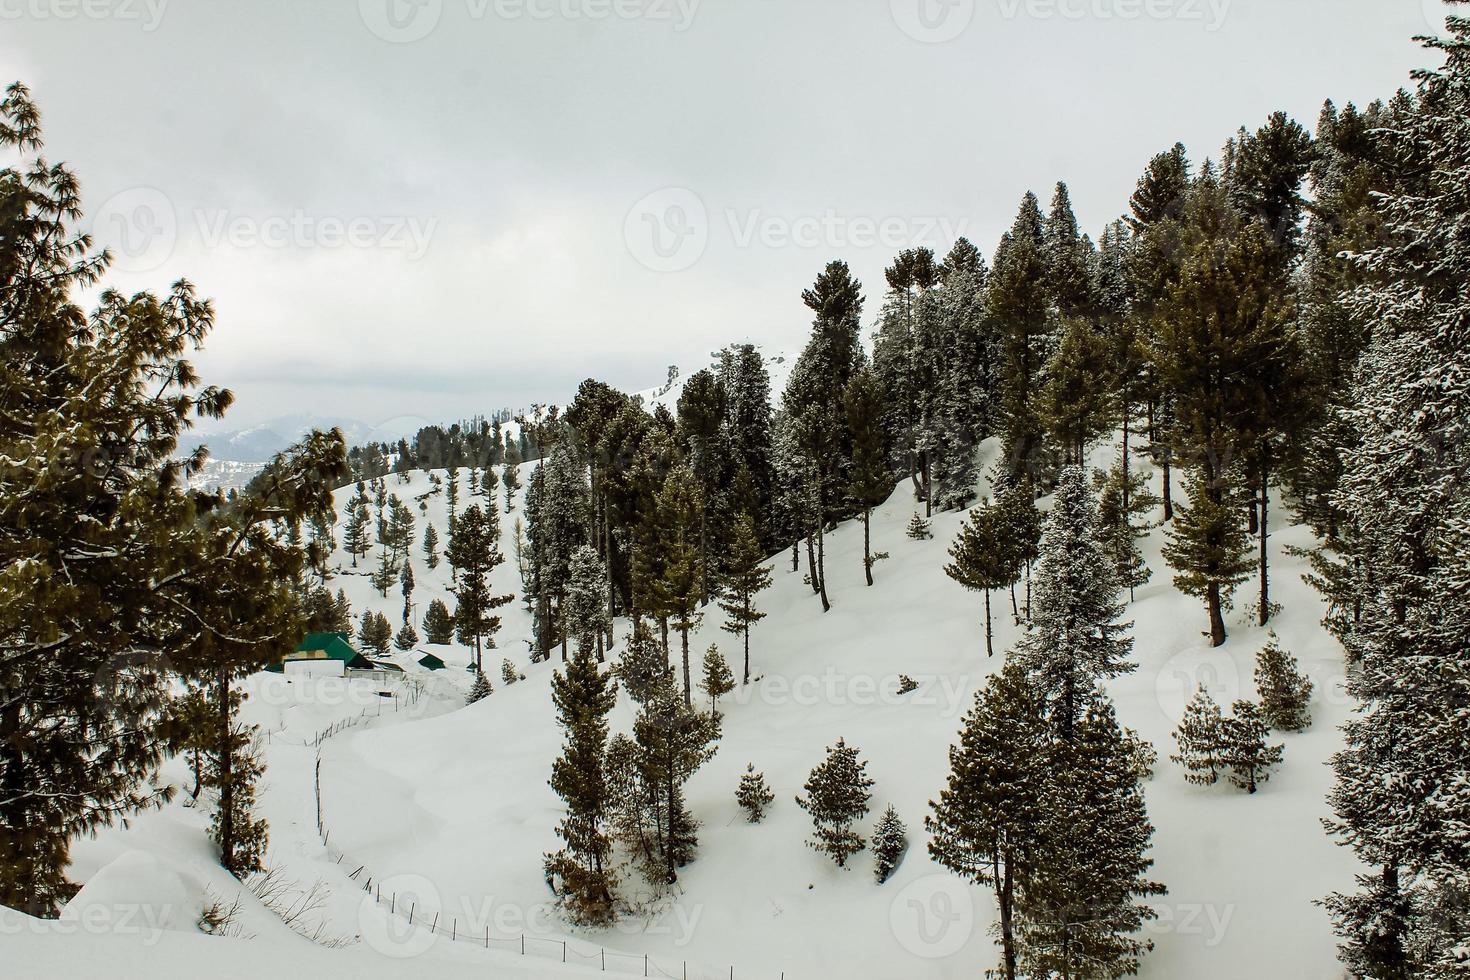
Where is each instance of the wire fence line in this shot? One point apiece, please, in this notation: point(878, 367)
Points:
point(449, 926)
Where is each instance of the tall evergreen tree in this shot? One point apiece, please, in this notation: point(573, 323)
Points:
point(743, 578)
point(1020, 306)
point(868, 484)
point(580, 874)
point(985, 825)
point(1075, 641)
point(116, 576)
point(983, 557)
point(475, 551)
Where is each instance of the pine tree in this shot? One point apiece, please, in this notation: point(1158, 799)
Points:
point(407, 638)
point(1018, 302)
point(586, 616)
point(385, 574)
point(406, 585)
point(985, 825)
point(579, 873)
point(480, 689)
point(1082, 902)
point(837, 795)
point(918, 528)
point(718, 681)
point(1284, 690)
point(431, 546)
point(1122, 497)
point(754, 796)
point(475, 553)
point(1075, 641)
point(868, 483)
point(679, 515)
point(670, 742)
point(355, 538)
point(742, 579)
point(1245, 750)
point(1076, 402)
point(890, 841)
point(981, 558)
point(508, 673)
point(438, 624)
point(1023, 529)
point(1209, 550)
point(1201, 740)
point(234, 766)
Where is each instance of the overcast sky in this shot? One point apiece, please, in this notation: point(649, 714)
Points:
point(436, 207)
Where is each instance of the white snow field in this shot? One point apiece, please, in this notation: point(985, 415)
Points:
point(447, 809)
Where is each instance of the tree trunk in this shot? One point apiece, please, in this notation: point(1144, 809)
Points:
point(226, 777)
point(746, 680)
point(796, 554)
point(1125, 460)
point(867, 552)
point(822, 567)
point(1265, 612)
point(1006, 886)
point(1217, 617)
point(684, 642)
point(1168, 493)
point(989, 647)
point(814, 573)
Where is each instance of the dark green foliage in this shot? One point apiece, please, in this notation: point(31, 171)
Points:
point(374, 633)
point(1209, 549)
point(407, 638)
point(480, 689)
point(743, 578)
point(1201, 740)
point(753, 795)
point(474, 551)
point(1245, 747)
point(438, 624)
point(837, 795)
point(868, 483)
point(718, 681)
point(983, 557)
point(1285, 691)
point(579, 873)
point(890, 842)
point(918, 528)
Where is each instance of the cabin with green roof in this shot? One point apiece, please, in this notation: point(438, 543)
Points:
point(323, 653)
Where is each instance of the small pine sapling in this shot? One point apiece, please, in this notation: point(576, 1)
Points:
point(508, 672)
point(718, 681)
point(837, 795)
point(918, 528)
point(480, 689)
point(754, 796)
point(1200, 736)
point(890, 841)
point(1247, 753)
point(907, 684)
point(1285, 691)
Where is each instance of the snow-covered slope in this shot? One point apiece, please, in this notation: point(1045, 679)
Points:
point(451, 805)
point(778, 368)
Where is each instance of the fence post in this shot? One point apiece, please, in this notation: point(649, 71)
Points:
point(410, 912)
point(435, 924)
point(563, 950)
